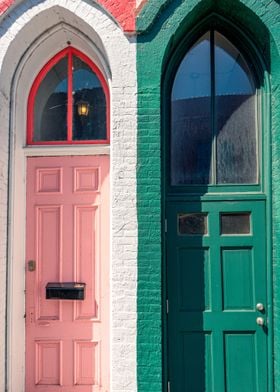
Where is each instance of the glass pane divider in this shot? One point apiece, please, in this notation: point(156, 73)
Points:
point(213, 108)
point(70, 98)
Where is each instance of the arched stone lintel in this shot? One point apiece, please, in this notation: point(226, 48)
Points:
point(123, 13)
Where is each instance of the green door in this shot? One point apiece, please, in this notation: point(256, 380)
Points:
point(216, 290)
point(215, 208)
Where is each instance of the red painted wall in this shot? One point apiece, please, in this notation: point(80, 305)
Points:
point(122, 10)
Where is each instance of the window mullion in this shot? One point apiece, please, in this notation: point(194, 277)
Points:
point(70, 98)
point(213, 110)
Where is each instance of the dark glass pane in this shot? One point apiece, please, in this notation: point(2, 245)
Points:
point(235, 116)
point(235, 223)
point(191, 137)
point(87, 91)
point(192, 223)
point(50, 108)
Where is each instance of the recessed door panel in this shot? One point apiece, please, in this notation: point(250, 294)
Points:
point(48, 362)
point(197, 361)
point(193, 279)
point(238, 266)
point(240, 362)
point(67, 341)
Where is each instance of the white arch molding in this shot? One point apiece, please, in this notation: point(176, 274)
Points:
point(33, 34)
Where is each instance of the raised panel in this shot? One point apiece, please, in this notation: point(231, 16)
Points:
point(240, 362)
point(86, 259)
point(193, 279)
point(237, 278)
point(86, 363)
point(48, 360)
point(86, 179)
point(49, 253)
point(49, 180)
point(196, 362)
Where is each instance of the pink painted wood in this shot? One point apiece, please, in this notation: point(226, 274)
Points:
point(67, 342)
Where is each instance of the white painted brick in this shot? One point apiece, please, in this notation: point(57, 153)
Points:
point(18, 30)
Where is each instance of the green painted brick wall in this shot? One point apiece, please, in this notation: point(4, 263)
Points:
point(161, 25)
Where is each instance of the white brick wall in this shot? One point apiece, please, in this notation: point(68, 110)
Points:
point(22, 57)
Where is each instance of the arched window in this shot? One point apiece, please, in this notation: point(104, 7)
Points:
point(214, 138)
point(68, 102)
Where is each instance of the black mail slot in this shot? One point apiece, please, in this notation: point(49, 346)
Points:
point(65, 290)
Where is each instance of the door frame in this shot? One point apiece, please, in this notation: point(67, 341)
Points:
point(182, 44)
point(18, 154)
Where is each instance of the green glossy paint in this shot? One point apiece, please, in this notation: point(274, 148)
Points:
point(166, 28)
point(214, 282)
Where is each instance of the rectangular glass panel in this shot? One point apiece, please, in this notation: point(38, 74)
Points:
point(191, 134)
point(235, 223)
point(192, 223)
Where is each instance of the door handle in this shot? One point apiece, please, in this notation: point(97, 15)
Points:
point(260, 321)
point(260, 307)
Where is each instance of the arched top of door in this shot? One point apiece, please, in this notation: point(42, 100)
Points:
point(214, 138)
point(69, 102)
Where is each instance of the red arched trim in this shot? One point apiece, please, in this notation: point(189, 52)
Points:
point(67, 52)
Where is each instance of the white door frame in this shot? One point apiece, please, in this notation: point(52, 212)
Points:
point(19, 153)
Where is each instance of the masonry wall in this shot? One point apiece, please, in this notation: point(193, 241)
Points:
point(31, 33)
point(162, 25)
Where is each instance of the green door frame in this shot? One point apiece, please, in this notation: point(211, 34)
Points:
point(245, 45)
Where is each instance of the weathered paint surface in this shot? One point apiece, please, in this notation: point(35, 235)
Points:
point(163, 24)
point(123, 11)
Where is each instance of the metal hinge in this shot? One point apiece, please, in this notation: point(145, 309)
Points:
point(168, 386)
point(165, 225)
point(167, 306)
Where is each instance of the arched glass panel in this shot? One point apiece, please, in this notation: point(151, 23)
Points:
point(213, 116)
point(88, 89)
point(50, 106)
point(235, 116)
point(68, 102)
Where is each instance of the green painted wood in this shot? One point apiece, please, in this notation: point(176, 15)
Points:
point(214, 282)
point(240, 354)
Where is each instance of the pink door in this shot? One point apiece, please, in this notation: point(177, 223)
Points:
point(67, 341)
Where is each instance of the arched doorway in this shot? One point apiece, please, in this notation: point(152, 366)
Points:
point(67, 225)
point(215, 208)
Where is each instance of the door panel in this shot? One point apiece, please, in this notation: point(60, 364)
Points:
point(67, 341)
point(216, 274)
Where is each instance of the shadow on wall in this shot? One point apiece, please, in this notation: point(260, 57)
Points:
point(196, 120)
point(190, 280)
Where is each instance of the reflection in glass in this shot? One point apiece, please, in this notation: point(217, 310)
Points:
point(235, 116)
point(192, 223)
point(191, 136)
point(235, 223)
point(50, 107)
point(87, 90)
point(213, 116)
